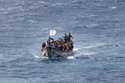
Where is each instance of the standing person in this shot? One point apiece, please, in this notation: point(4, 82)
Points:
point(66, 38)
point(69, 36)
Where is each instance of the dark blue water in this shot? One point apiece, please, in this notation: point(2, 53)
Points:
point(98, 27)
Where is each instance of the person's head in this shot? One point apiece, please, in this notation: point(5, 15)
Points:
point(65, 34)
point(69, 33)
point(44, 44)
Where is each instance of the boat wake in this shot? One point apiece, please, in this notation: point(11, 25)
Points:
point(87, 51)
point(75, 49)
point(70, 57)
point(95, 45)
point(78, 52)
point(37, 54)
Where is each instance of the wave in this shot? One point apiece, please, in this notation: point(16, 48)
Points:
point(94, 45)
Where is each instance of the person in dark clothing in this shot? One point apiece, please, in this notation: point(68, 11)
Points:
point(50, 41)
point(71, 48)
point(43, 46)
point(66, 38)
point(69, 37)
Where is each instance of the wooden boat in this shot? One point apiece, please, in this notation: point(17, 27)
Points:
point(56, 49)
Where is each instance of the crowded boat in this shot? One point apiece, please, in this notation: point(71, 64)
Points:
point(61, 47)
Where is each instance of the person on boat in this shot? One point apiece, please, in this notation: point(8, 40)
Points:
point(66, 47)
point(43, 46)
point(69, 37)
point(44, 49)
point(50, 39)
point(55, 44)
point(70, 45)
point(66, 37)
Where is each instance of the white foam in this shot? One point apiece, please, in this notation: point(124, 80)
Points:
point(88, 53)
point(36, 56)
point(34, 53)
point(75, 49)
point(114, 7)
point(70, 57)
point(92, 25)
point(94, 45)
point(84, 53)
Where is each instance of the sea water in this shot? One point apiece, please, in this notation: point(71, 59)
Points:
point(98, 29)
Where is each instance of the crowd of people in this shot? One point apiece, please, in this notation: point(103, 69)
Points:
point(64, 44)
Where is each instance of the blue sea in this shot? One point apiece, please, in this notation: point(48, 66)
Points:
point(98, 29)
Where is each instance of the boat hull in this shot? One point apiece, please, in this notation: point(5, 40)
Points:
point(52, 53)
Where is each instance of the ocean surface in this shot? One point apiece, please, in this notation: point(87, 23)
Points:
point(98, 28)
